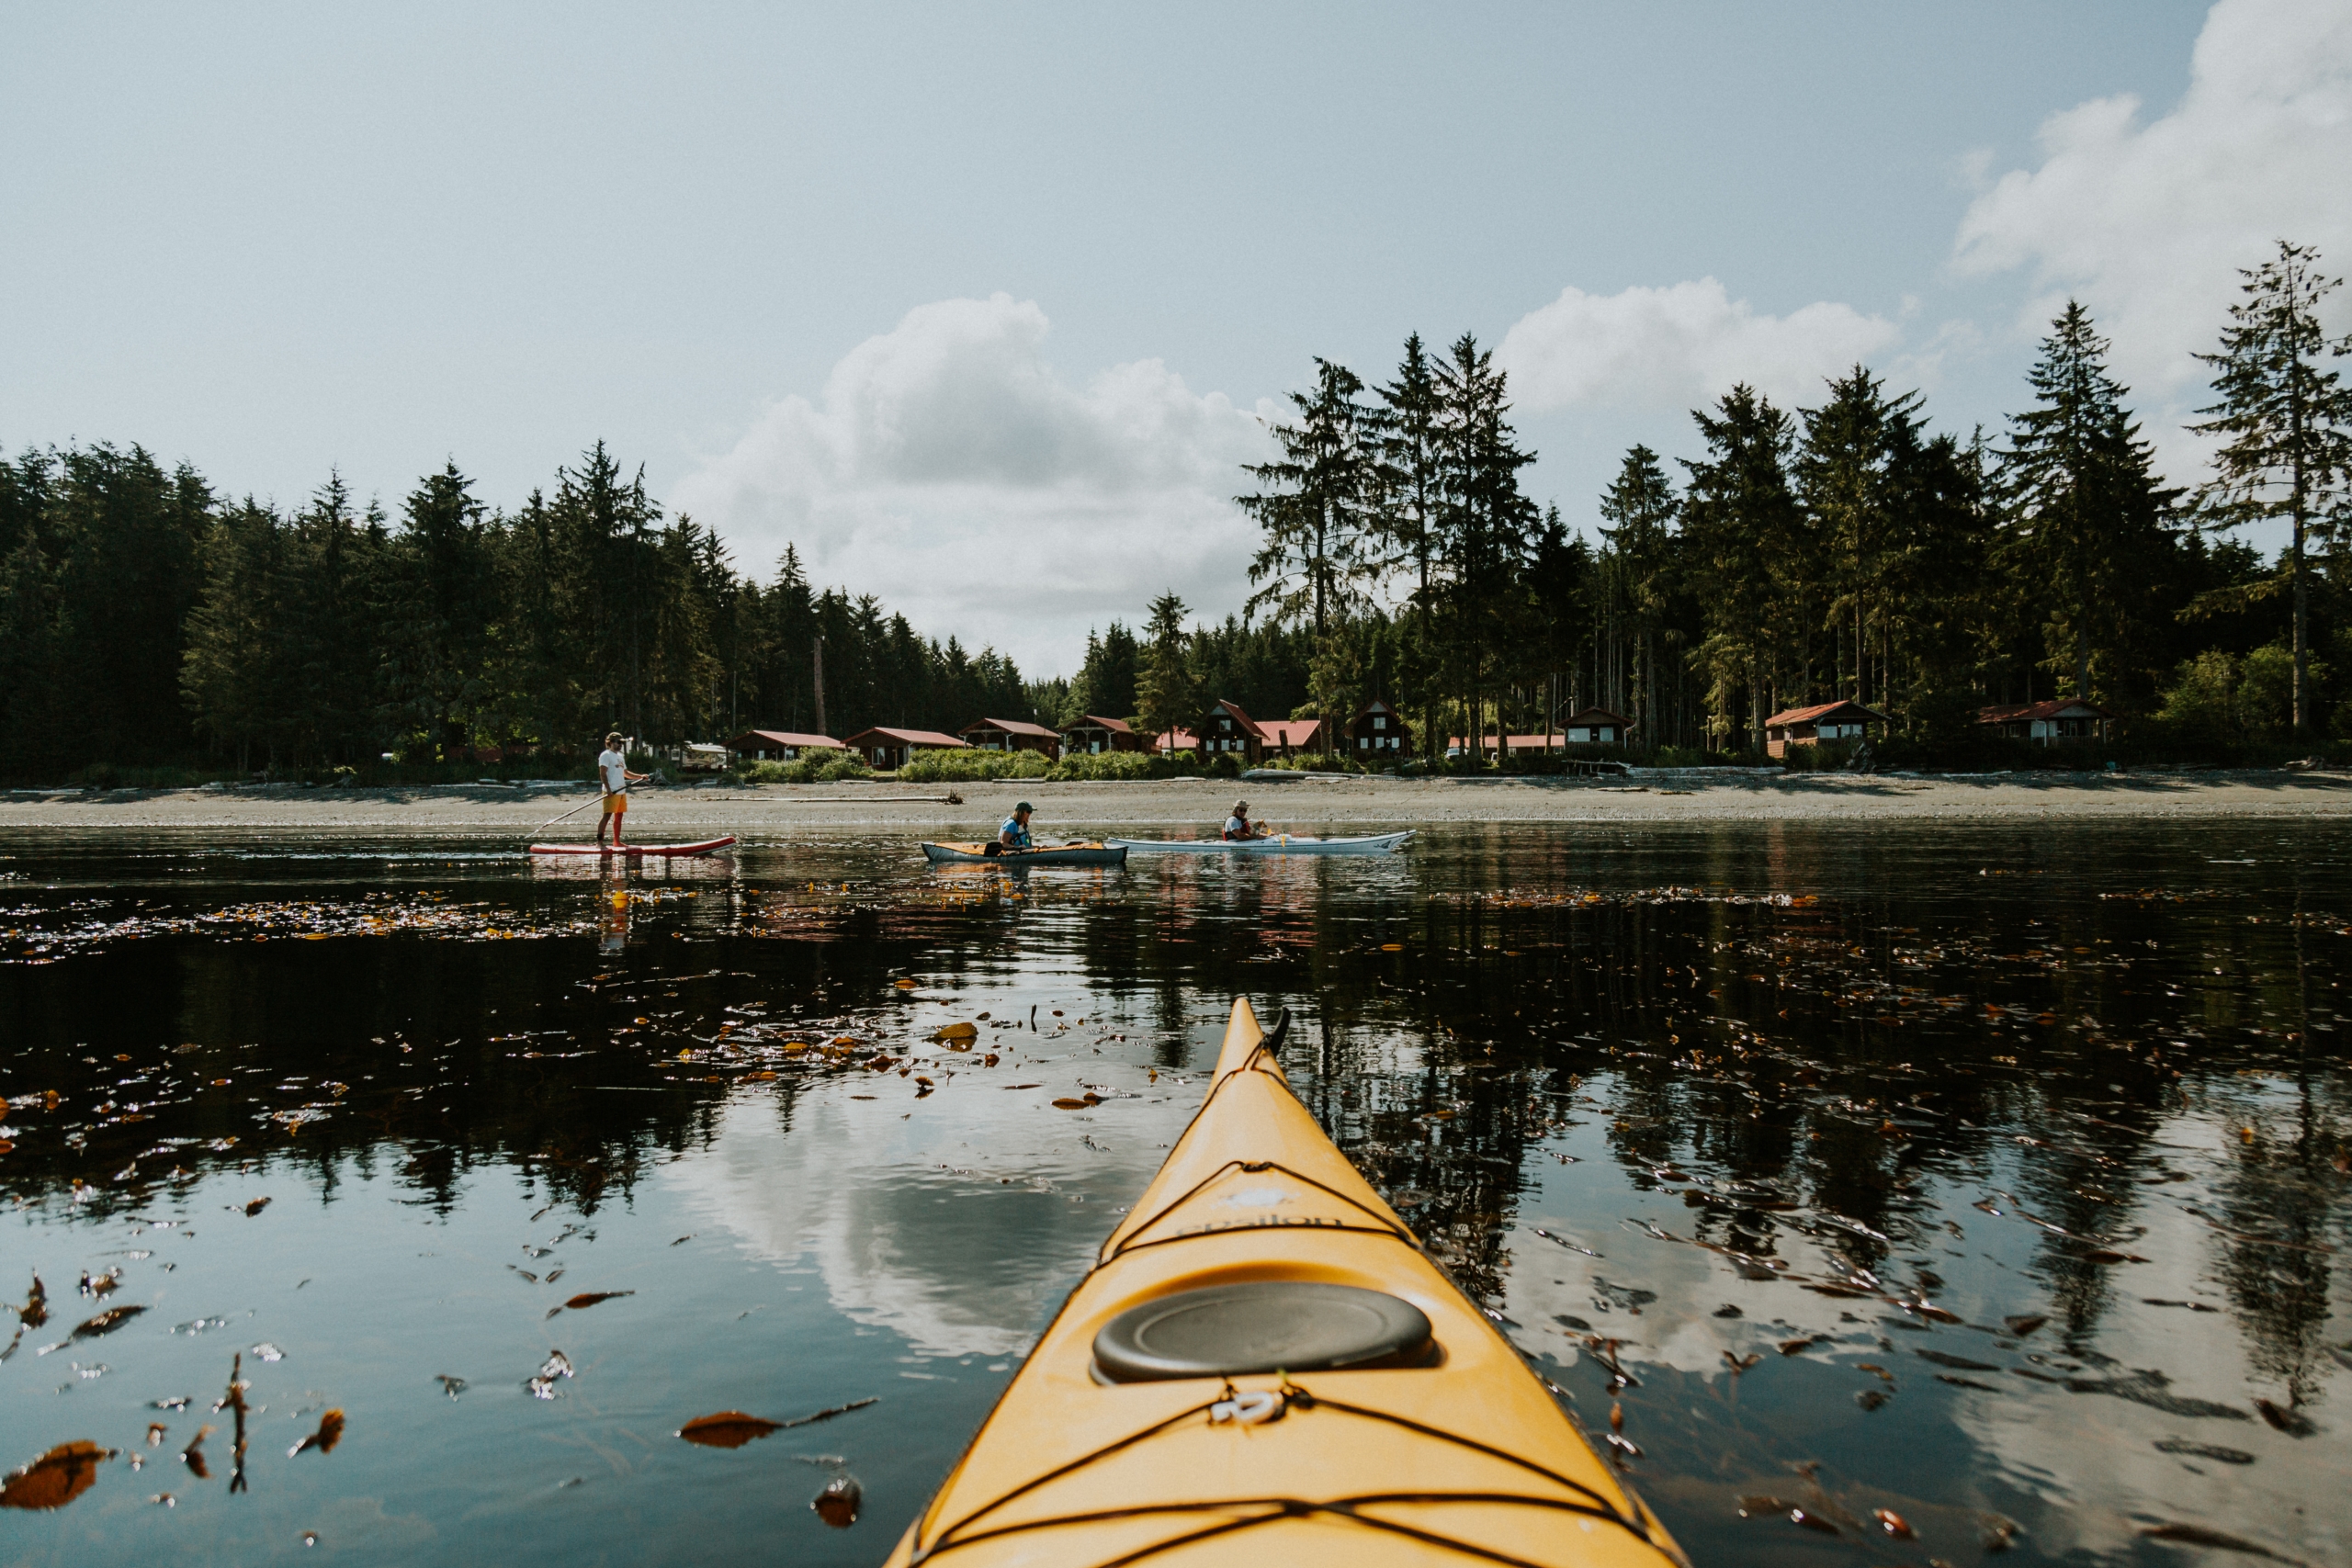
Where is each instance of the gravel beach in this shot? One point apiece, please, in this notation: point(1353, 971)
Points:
point(1302, 802)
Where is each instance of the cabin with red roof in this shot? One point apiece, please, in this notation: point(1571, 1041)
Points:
point(1090, 734)
point(2046, 724)
point(1293, 737)
point(780, 745)
point(1226, 730)
point(1012, 735)
point(1822, 721)
point(889, 749)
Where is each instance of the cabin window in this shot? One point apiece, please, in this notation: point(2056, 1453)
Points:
point(1379, 721)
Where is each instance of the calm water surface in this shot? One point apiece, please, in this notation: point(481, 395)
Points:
point(1995, 1178)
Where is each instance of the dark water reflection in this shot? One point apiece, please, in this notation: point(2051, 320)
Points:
point(1847, 1111)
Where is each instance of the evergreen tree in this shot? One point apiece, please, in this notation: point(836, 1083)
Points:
point(536, 687)
point(1339, 675)
point(2284, 425)
point(233, 674)
point(1410, 480)
point(1105, 685)
point(1639, 507)
point(605, 529)
point(1559, 577)
point(1315, 512)
point(2082, 493)
point(1485, 525)
point(1166, 696)
point(1849, 482)
point(104, 616)
point(439, 618)
point(786, 650)
point(1739, 519)
point(334, 568)
point(1263, 666)
point(1937, 581)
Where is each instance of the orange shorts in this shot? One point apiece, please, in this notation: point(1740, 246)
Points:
point(615, 804)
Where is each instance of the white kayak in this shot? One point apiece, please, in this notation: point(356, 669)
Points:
point(1272, 844)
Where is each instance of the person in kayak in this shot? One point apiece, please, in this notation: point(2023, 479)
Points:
point(1238, 825)
point(1015, 834)
point(612, 768)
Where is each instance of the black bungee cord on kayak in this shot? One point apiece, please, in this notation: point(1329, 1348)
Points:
point(1582, 1501)
point(1295, 1397)
point(1381, 1226)
point(1268, 1044)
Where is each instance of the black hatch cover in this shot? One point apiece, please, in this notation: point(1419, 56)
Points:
point(1291, 1326)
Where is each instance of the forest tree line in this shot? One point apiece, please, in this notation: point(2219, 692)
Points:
point(1841, 550)
point(146, 621)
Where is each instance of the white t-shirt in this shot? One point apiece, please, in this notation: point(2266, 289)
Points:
point(1235, 827)
point(614, 767)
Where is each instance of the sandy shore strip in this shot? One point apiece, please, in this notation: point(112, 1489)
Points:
point(1181, 807)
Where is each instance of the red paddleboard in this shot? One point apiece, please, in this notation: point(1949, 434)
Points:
point(634, 850)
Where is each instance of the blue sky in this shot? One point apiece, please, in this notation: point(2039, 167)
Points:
point(975, 303)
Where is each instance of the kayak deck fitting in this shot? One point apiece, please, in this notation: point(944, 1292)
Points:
point(1263, 1366)
point(707, 847)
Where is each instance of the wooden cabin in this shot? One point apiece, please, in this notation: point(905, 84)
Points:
point(1012, 735)
point(1092, 735)
point(1379, 732)
point(1171, 742)
point(780, 745)
point(1595, 726)
point(890, 748)
point(2047, 724)
point(1823, 721)
point(1226, 730)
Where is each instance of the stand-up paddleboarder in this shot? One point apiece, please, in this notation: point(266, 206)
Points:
point(614, 767)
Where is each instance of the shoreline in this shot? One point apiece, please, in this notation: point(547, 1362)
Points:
point(1302, 802)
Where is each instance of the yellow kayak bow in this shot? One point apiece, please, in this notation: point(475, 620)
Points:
point(1263, 1366)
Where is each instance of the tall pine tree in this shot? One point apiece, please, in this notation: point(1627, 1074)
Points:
point(1740, 519)
point(2285, 424)
point(1167, 695)
point(1314, 511)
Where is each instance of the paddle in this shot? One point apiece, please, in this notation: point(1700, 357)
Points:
point(575, 810)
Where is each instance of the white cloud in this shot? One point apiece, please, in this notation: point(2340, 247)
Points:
point(947, 469)
point(2148, 222)
point(1680, 347)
